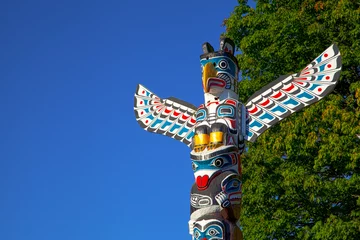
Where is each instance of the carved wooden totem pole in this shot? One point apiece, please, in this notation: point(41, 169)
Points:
point(217, 130)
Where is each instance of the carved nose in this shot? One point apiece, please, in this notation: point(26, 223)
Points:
point(209, 71)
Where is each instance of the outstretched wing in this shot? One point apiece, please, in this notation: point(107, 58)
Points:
point(171, 117)
point(289, 94)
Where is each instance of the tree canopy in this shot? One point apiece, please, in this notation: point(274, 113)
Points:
point(301, 178)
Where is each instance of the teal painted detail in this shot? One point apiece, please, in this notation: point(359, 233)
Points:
point(266, 116)
point(256, 124)
point(318, 59)
point(225, 114)
point(322, 67)
point(183, 130)
point(305, 95)
point(291, 102)
point(166, 124)
point(320, 77)
point(157, 121)
point(234, 185)
point(231, 65)
point(249, 134)
point(200, 115)
point(314, 86)
point(190, 136)
point(215, 163)
point(175, 127)
point(278, 108)
point(214, 231)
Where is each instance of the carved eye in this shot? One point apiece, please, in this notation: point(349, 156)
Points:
point(218, 162)
point(223, 64)
point(235, 184)
point(213, 232)
point(197, 235)
point(194, 166)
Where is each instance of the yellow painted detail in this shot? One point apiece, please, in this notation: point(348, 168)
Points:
point(216, 137)
point(200, 148)
point(216, 140)
point(201, 139)
point(208, 72)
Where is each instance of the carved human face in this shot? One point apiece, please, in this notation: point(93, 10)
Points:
point(206, 170)
point(208, 229)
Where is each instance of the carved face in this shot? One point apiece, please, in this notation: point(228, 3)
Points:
point(219, 73)
point(209, 230)
point(206, 170)
point(231, 186)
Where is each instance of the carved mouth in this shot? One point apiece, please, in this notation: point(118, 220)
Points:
point(202, 182)
point(214, 84)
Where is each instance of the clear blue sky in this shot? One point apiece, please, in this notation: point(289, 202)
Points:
point(74, 164)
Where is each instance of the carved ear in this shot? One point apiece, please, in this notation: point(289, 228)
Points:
point(227, 45)
point(207, 48)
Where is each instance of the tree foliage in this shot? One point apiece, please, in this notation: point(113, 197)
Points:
point(301, 178)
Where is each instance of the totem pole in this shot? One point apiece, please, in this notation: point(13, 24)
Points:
point(216, 131)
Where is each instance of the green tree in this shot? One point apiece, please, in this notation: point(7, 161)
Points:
point(301, 178)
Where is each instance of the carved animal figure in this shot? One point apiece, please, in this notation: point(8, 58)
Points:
point(217, 130)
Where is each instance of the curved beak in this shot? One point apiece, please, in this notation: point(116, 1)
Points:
point(209, 71)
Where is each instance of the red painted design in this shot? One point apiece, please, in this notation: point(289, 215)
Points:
point(306, 73)
point(216, 82)
point(146, 121)
point(202, 182)
point(212, 103)
point(232, 102)
point(289, 88)
point(265, 103)
point(142, 113)
point(254, 110)
point(302, 78)
point(232, 123)
point(176, 113)
point(319, 89)
point(233, 159)
point(167, 110)
point(192, 120)
point(143, 92)
point(325, 55)
point(301, 83)
point(156, 102)
point(306, 68)
point(327, 78)
point(141, 102)
point(184, 117)
point(329, 65)
point(277, 95)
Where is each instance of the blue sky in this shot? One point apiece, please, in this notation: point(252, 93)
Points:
point(74, 164)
